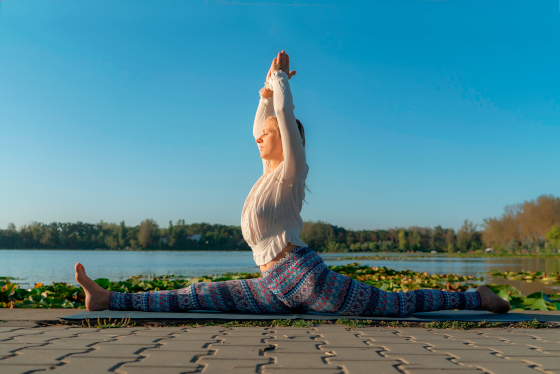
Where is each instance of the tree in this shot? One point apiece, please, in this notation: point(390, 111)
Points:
point(121, 235)
point(437, 239)
point(148, 233)
point(317, 234)
point(416, 240)
point(466, 236)
point(538, 216)
point(553, 236)
point(450, 240)
point(403, 243)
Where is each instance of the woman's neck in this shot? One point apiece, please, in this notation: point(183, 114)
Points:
point(274, 164)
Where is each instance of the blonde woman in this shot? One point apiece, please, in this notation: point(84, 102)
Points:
point(294, 277)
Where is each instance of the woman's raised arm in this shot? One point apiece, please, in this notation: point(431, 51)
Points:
point(295, 164)
point(265, 110)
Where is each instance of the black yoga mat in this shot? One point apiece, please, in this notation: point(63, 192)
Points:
point(197, 315)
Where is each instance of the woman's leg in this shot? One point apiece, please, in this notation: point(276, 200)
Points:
point(248, 296)
point(361, 299)
point(302, 280)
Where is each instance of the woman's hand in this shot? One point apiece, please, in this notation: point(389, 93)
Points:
point(266, 93)
point(282, 62)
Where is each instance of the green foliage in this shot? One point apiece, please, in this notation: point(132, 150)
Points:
point(553, 237)
point(124, 322)
point(112, 236)
point(533, 324)
point(57, 295)
point(534, 301)
point(528, 276)
point(461, 325)
point(406, 280)
point(62, 295)
point(320, 236)
point(274, 323)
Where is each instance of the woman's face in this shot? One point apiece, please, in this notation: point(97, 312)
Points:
point(270, 143)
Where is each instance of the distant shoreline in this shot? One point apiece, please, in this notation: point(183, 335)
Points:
point(124, 250)
point(346, 255)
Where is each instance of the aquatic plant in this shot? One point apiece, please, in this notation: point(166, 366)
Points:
point(528, 276)
point(63, 295)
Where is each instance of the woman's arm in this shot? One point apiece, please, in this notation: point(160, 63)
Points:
point(265, 110)
point(295, 164)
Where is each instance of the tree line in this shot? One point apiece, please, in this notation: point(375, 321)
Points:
point(103, 235)
point(328, 238)
point(529, 227)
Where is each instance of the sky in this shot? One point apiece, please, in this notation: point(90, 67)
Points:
point(417, 113)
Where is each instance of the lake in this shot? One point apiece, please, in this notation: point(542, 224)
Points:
point(46, 266)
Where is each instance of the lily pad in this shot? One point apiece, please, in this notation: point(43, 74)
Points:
point(103, 282)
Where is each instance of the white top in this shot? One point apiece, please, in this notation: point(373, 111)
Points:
point(271, 214)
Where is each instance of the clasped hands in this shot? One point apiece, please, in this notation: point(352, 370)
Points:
point(281, 62)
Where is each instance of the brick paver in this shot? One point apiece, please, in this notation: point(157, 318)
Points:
point(322, 349)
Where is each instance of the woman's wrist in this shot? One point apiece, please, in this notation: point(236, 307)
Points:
point(266, 93)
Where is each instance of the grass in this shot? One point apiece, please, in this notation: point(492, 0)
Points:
point(534, 325)
point(461, 325)
point(124, 322)
point(349, 323)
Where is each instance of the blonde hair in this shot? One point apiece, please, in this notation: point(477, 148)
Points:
point(274, 121)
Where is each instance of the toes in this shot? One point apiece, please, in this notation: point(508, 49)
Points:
point(79, 268)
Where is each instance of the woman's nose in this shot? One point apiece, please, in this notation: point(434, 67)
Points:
point(259, 139)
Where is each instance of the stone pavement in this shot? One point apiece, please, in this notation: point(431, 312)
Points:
point(322, 349)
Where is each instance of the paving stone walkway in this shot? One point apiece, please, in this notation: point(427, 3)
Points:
point(322, 349)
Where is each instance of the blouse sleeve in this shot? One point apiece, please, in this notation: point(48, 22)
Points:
point(265, 110)
point(295, 164)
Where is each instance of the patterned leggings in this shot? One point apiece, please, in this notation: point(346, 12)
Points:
point(298, 283)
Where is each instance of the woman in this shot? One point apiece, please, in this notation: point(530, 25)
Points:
point(295, 279)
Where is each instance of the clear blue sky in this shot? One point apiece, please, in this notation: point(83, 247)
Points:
point(416, 112)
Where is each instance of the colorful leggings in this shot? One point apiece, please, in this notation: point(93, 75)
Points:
point(298, 283)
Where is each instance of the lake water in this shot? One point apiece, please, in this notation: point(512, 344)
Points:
point(46, 266)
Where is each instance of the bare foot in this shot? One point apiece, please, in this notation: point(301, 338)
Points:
point(97, 298)
point(492, 302)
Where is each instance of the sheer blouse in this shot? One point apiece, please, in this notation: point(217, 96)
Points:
point(271, 214)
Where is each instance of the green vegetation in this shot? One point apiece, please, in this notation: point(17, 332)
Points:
point(324, 237)
point(534, 301)
point(528, 276)
point(124, 322)
point(408, 257)
point(461, 325)
point(533, 325)
point(62, 295)
point(406, 280)
point(350, 323)
point(530, 227)
point(104, 235)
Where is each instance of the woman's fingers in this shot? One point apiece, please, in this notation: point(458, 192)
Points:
point(281, 62)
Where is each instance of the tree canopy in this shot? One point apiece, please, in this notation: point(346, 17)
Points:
point(531, 226)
